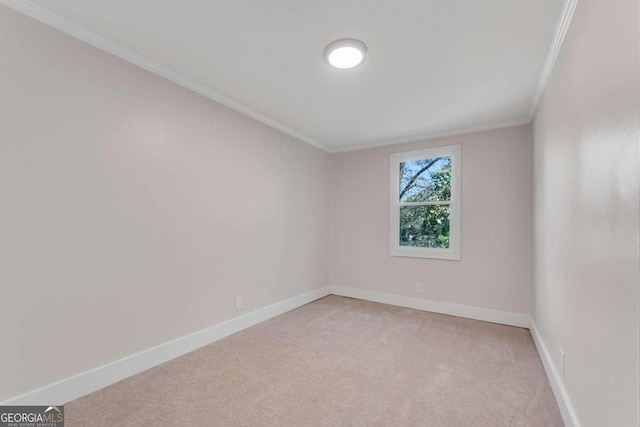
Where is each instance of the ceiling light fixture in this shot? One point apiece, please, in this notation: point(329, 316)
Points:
point(345, 53)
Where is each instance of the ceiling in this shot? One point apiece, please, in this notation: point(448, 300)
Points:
point(433, 67)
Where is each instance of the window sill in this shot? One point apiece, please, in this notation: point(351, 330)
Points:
point(426, 253)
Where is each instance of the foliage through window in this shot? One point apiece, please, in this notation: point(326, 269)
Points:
point(424, 205)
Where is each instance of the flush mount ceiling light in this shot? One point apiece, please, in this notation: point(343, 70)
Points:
point(345, 53)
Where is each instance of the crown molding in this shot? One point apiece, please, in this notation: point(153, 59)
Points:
point(51, 19)
point(434, 135)
point(562, 27)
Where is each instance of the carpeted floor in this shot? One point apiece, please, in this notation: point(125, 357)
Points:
point(340, 362)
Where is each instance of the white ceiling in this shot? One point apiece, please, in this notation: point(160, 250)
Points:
point(433, 66)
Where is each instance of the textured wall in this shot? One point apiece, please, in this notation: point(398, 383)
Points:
point(585, 297)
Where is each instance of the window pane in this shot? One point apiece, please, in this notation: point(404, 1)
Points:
point(425, 180)
point(425, 226)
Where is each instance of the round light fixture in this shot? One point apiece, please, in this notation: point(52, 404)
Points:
point(345, 53)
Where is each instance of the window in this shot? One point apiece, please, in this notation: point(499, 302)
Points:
point(425, 203)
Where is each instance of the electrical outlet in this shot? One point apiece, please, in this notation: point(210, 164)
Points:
point(563, 361)
point(239, 302)
point(418, 288)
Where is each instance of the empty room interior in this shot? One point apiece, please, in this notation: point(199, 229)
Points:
point(330, 213)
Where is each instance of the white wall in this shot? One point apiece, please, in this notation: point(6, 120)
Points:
point(585, 296)
point(495, 269)
point(133, 211)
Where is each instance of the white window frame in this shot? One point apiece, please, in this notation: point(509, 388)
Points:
point(453, 251)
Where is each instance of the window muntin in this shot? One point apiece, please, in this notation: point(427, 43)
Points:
point(425, 211)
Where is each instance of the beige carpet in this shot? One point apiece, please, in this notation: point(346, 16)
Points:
point(340, 362)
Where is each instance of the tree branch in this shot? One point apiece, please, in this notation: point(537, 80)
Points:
point(416, 176)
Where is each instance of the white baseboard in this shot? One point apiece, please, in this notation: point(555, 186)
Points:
point(87, 382)
point(485, 314)
point(566, 409)
point(495, 316)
